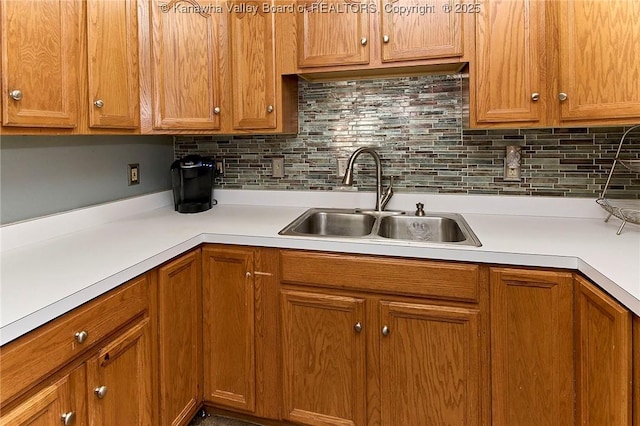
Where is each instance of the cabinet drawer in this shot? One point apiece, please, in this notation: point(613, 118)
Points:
point(30, 358)
point(414, 277)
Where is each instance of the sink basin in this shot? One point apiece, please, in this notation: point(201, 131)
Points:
point(422, 228)
point(442, 228)
point(329, 222)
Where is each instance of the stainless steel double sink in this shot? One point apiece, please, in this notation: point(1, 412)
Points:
point(443, 228)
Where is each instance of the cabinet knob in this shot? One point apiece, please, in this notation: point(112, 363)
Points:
point(385, 38)
point(16, 95)
point(535, 96)
point(562, 96)
point(385, 331)
point(248, 274)
point(81, 336)
point(270, 109)
point(99, 103)
point(100, 391)
point(68, 418)
point(216, 110)
point(358, 327)
point(363, 41)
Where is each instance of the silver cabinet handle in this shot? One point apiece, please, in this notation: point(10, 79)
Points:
point(270, 109)
point(216, 110)
point(81, 336)
point(535, 96)
point(385, 38)
point(248, 274)
point(363, 41)
point(16, 95)
point(562, 96)
point(385, 331)
point(68, 418)
point(358, 327)
point(100, 391)
point(99, 103)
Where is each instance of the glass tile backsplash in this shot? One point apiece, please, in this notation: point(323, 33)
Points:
point(416, 124)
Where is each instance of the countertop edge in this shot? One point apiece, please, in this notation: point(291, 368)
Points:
point(30, 322)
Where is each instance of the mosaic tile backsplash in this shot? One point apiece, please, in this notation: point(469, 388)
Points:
point(416, 124)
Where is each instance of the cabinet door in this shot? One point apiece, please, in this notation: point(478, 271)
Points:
point(180, 338)
point(424, 31)
point(324, 368)
point(603, 357)
point(510, 68)
point(429, 365)
point(598, 59)
point(531, 348)
point(229, 340)
point(119, 380)
point(46, 407)
point(185, 66)
point(40, 63)
point(112, 35)
point(252, 53)
point(332, 32)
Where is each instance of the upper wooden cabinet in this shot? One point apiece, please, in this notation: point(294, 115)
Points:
point(599, 69)
point(112, 74)
point(510, 72)
point(252, 52)
point(330, 34)
point(423, 30)
point(566, 63)
point(41, 63)
point(362, 37)
point(185, 66)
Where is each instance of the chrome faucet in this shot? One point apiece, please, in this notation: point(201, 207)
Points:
point(381, 199)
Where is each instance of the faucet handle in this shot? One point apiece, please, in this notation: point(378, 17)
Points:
point(419, 209)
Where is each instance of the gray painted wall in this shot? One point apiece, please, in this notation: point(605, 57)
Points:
point(41, 175)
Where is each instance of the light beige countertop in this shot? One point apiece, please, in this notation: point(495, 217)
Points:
point(51, 265)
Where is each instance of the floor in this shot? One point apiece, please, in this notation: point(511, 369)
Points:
point(217, 421)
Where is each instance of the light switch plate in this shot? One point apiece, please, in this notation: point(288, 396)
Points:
point(342, 166)
point(277, 167)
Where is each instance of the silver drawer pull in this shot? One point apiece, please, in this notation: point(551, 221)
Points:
point(68, 418)
point(81, 336)
point(100, 391)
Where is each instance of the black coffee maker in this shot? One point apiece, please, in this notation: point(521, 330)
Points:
point(192, 177)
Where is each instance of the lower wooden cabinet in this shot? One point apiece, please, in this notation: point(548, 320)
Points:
point(104, 379)
point(636, 371)
point(531, 347)
point(603, 358)
point(179, 331)
point(47, 407)
point(240, 304)
point(119, 380)
point(327, 339)
point(430, 370)
point(358, 358)
point(324, 360)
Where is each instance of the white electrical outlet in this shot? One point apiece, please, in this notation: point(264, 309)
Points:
point(277, 167)
point(342, 166)
point(133, 174)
